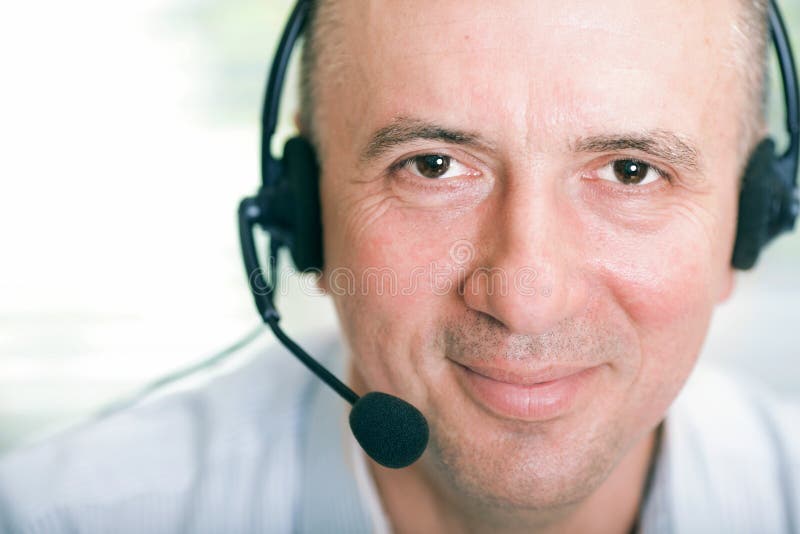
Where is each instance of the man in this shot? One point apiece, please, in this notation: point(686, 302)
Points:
point(570, 173)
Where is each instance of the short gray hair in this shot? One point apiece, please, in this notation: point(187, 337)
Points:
point(752, 43)
point(320, 24)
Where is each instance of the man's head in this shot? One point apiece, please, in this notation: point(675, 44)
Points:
point(524, 187)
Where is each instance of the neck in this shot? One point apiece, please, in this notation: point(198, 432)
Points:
point(415, 501)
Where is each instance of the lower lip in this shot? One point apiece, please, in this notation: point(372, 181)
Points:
point(536, 402)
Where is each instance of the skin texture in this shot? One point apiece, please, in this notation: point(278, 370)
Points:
point(623, 277)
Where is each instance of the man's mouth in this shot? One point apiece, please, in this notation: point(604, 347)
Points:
point(525, 394)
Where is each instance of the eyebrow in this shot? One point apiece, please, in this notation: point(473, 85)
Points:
point(405, 129)
point(663, 144)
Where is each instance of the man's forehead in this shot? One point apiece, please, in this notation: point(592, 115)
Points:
point(595, 60)
point(420, 23)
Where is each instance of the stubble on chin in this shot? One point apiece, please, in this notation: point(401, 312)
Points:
point(507, 479)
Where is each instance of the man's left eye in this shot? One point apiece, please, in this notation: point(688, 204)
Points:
point(435, 166)
point(630, 172)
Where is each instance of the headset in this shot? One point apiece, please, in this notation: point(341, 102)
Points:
point(287, 208)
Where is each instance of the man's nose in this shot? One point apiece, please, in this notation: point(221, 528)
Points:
point(530, 275)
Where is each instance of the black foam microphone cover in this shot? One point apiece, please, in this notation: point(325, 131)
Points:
point(390, 430)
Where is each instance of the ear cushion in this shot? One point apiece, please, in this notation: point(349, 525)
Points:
point(301, 171)
point(756, 201)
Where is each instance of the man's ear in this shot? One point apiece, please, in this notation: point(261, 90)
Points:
point(726, 285)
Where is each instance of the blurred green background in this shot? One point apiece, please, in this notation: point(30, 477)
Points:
point(129, 133)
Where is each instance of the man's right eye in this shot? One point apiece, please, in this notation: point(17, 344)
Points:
point(434, 166)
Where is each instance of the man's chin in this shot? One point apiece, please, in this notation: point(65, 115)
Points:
point(504, 463)
point(513, 471)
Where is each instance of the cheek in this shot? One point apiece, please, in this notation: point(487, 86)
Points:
point(391, 278)
point(665, 284)
point(397, 253)
point(666, 275)
point(661, 284)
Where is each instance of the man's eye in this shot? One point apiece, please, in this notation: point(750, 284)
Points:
point(630, 172)
point(435, 166)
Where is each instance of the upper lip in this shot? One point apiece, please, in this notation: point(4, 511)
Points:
point(525, 377)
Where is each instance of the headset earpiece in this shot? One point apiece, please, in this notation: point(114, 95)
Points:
point(767, 204)
point(755, 205)
point(289, 207)
point(301, 172)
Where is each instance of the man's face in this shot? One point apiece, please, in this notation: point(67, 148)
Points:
point(537, 186)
